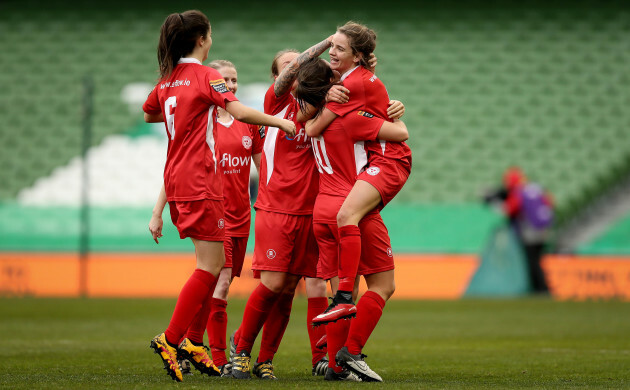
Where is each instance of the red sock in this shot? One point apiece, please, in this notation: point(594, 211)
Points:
point(369, 311)
point(190, 300)
point(274, 327)
point(257, 310)
point(336, 334)
point(217, 329)
point(349, 256)
point(316, 306)
point(198, 325)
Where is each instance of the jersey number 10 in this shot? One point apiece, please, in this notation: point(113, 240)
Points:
point(319, 149)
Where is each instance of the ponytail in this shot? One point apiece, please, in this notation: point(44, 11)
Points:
point(178, 36)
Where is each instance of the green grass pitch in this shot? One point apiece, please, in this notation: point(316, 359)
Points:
point(533, 343)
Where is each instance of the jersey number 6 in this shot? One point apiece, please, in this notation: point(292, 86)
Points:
point(169, 112)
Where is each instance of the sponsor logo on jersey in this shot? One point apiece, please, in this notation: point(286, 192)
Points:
point(271, 254)
point(247, 142)
point(373, 171)
point(389, 252)
point(221, 223)
point(176, 83)
point(234, 161)
point(219, 85)
point(300, 137)
point(366, 114)
point(261, 131)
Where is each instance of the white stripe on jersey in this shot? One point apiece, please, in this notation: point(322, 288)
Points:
point(210, 136)
point(270, 144)
point(360, 157)
point(383, 146)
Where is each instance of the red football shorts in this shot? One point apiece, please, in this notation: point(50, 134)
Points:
point(285, 243)
point(235, 248)
point(386, 175)
point(199, 219)
point(376, 250)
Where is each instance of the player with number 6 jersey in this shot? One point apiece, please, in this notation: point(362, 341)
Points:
point(185, 98)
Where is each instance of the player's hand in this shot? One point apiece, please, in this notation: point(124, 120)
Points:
point(396, 109)
point(288, 127)
point(155, 227)
point(338, 94)
point(372, 61)
point(329, 39)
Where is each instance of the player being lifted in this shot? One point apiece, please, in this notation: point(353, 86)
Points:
point(388, 167)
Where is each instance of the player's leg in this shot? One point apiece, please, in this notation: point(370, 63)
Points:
point(257, 310)
point(362, 199)
point(274, 328)
point(377, 267)
point(194, 295)
point(317, 303)
point(235, 248)
point(191, 347)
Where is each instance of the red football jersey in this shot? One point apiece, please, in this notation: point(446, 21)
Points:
point(237, 142)
point(187, 99)
point(341, 156)
point(368, 93)
point(288, 176)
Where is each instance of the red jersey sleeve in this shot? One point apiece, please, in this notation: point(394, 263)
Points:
point(152, 104)
point(215, 90)
point(274, 104)
point(363, 126)
point(357, 97)
point(258, 134)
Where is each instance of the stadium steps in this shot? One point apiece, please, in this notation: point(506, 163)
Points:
point(542, 86)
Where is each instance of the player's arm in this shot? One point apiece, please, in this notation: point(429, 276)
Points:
point(156, 223)
point(396, 109)
point(289, 73)
point(256, 159)
point(153, 118)
point(316, 126)
point(393, 131)
point(242, 113)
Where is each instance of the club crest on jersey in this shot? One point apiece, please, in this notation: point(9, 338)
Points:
point(365, 114)
point(219, 85)
point(271, 254)
point(221, 223)
point(247, 142)
point(373, 171)
point(389, 252)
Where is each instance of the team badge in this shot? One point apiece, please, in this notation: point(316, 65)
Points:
point(219, 85)
point(221, 223)
point(373, 171)
point(389, 252)
point(247, 142)
point(271, 254)
point(365, 114)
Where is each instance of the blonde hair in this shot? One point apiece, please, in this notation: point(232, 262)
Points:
point(218, 64)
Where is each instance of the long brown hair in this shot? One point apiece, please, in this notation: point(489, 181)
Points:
point(314, 78)
point(178, 36)
point(362, 41)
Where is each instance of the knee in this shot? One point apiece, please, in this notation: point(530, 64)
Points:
point(344, 217)
point(385, 290)
point(222, 288)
